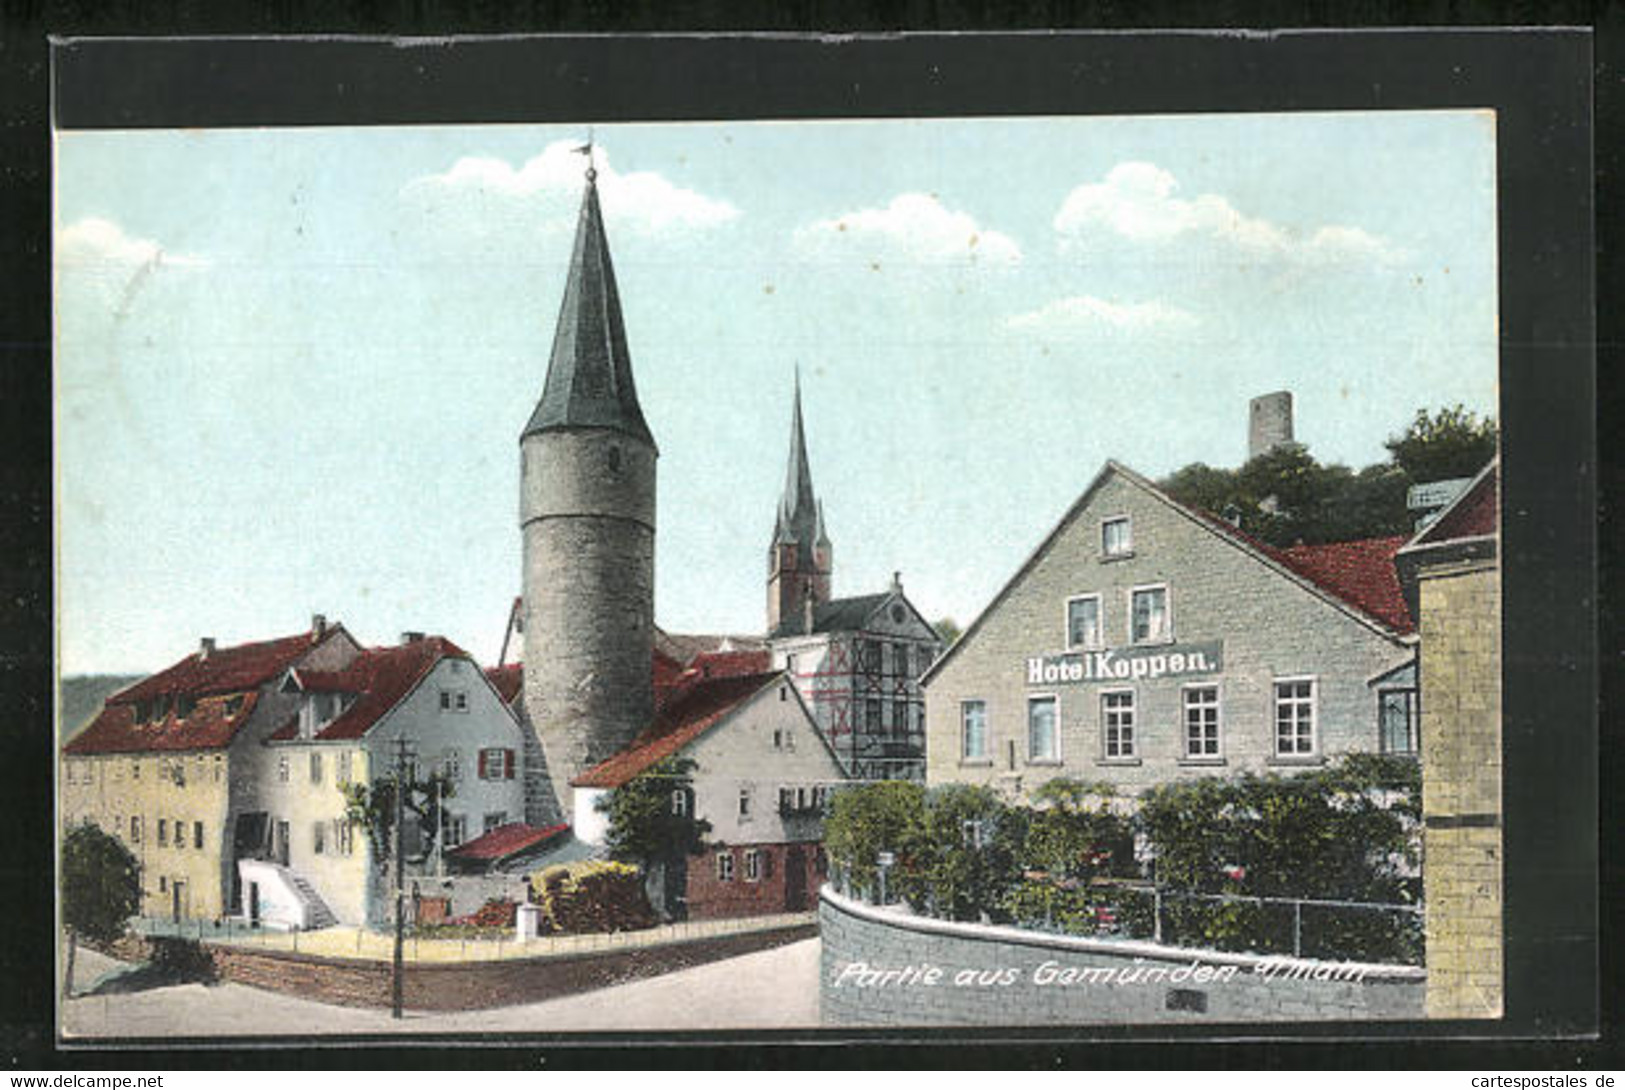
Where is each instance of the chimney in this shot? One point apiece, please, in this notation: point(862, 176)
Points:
point(205, 647)
point(318, 625)
point(411, 637)
point(897, 582)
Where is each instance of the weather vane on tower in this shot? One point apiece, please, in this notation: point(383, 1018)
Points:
point(586, 149)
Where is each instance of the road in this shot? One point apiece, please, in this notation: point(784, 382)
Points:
point(771, 989)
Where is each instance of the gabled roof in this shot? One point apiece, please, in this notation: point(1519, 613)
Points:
point(681, 647)
point(1350, 576)
point(1361, 573)
point(686, 717)
point(835, 615)
point(508, 681)
point(211, 725)
point(380, 677)
point(589, 377)
point(506, 840)
point(1470, 515)
point(227, 669)
point(209, 680)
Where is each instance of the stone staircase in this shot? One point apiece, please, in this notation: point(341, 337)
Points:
point(318, 915)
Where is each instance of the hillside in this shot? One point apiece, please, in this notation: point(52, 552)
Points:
point(82, 697)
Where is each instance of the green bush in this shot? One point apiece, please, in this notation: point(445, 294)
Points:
point(867, 819)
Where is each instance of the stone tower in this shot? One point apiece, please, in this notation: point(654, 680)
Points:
point(587, 515)
point(800, 559)
point(1269, 423)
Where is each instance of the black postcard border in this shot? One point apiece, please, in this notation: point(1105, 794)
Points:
point(1539, 82)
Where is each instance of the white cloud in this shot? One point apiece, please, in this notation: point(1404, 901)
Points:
point(100, 245)
point(1081, 314)
point(913, 227)
point(643, 200)
point(1138, 201)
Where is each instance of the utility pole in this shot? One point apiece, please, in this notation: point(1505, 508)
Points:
point(398, 978)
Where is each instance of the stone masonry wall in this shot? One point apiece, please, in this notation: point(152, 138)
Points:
point(476, 985)
point(997, 976)
point(1461, 789)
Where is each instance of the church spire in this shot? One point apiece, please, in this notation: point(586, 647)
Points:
point(800, 519)
point(589, 377)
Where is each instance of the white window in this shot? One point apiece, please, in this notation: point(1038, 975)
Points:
point(282, 768)
point(725, 866)
point(1116, 537)
point(344, 836)
point(496, 820)
point(745, 801)
point(135, 769)
point(318, 837)
point(1117, 722)
point(163, 832)
point(1083, 621)
point(451, 765)
point(1202, 721)
point(1043, 741)
point(180, 833)
point(197, 834)
point(753, 865)
point(1148, 615)
point(135, 829)
point(496, 764)
point(346, 767)
point(679, 802)
point(455, 829)
point(453, 700)
point(315, 767)
point(1397, 717)
point(972, 834)
point(1294, 717)
point(973, 729)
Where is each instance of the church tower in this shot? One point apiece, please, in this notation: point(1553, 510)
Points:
point(800, 559)
point(587, 515)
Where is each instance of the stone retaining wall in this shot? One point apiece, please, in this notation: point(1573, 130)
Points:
point(877, 971)
point(479, 984)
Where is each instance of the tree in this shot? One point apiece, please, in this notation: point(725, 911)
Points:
point(101, 889)
point(652, 823)
point(373, 808)
point(963, 852)
point(948, 630)
point(867, 819)
point(1445, 445)
point(647, 823)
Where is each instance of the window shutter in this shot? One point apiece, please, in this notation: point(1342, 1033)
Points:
point(507, 764)
point(484, 755)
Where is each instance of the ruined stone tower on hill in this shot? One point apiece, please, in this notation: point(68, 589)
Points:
point(587, 515)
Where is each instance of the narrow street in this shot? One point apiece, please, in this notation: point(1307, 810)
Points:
point(771, 989)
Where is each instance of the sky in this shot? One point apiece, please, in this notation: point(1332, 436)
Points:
point(292, 365)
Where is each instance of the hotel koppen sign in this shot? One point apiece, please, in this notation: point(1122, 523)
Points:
point(1127, 663)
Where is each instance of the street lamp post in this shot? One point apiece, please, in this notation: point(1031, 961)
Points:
point(403, 755)
point(883, 861)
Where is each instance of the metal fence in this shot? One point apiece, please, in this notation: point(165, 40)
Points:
point(363, 944)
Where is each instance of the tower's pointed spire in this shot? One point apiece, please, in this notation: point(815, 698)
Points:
point(799, 519)
point(589, 377)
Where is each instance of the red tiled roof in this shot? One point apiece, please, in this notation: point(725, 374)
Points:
point(713, 664)
point(1360, 573)
point(1357, 573)
point(226, 669)
point(1473, 515)
point(380, 676)
point(506, 840)
point(209, 726)
point(507, 680)
point(689, 713)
